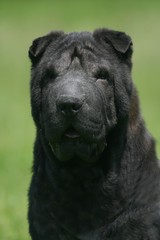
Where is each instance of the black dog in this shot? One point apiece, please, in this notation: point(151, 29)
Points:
point(95, 172)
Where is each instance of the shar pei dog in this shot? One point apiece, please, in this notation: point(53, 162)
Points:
point(95, 170)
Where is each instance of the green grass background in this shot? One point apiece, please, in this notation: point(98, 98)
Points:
point(20, 23)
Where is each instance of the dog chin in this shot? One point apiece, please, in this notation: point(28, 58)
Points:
point(77, 149)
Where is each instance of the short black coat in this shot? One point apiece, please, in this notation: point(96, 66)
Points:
point(121, 198)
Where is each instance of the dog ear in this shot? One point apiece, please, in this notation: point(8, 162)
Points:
point(119, 40)
point(40, 44)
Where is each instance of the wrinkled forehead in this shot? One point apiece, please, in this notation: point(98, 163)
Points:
point(82, 40)
point(83, 46)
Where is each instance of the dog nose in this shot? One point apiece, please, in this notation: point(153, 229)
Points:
point(69, 105)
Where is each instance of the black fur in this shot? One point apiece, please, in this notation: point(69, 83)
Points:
point(95, 171)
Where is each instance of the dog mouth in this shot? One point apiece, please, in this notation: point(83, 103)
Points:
point(72, 133)
point(74, 146)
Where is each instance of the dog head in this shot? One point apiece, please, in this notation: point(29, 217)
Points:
point(80, 89)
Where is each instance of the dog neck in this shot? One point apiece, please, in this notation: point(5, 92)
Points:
point(72, 194)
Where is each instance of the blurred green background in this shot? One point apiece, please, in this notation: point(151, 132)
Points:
point(20, 23)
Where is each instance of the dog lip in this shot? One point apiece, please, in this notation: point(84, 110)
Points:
point(71, 133)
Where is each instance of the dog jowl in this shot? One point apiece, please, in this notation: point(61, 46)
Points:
point(95, 171)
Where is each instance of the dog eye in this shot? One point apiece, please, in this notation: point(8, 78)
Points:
point(48, 76)
point(50, 73)
point(102, 74)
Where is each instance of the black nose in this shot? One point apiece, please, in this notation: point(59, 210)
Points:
point(69, 105)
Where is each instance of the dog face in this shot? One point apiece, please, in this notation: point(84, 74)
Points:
point(80, 89)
